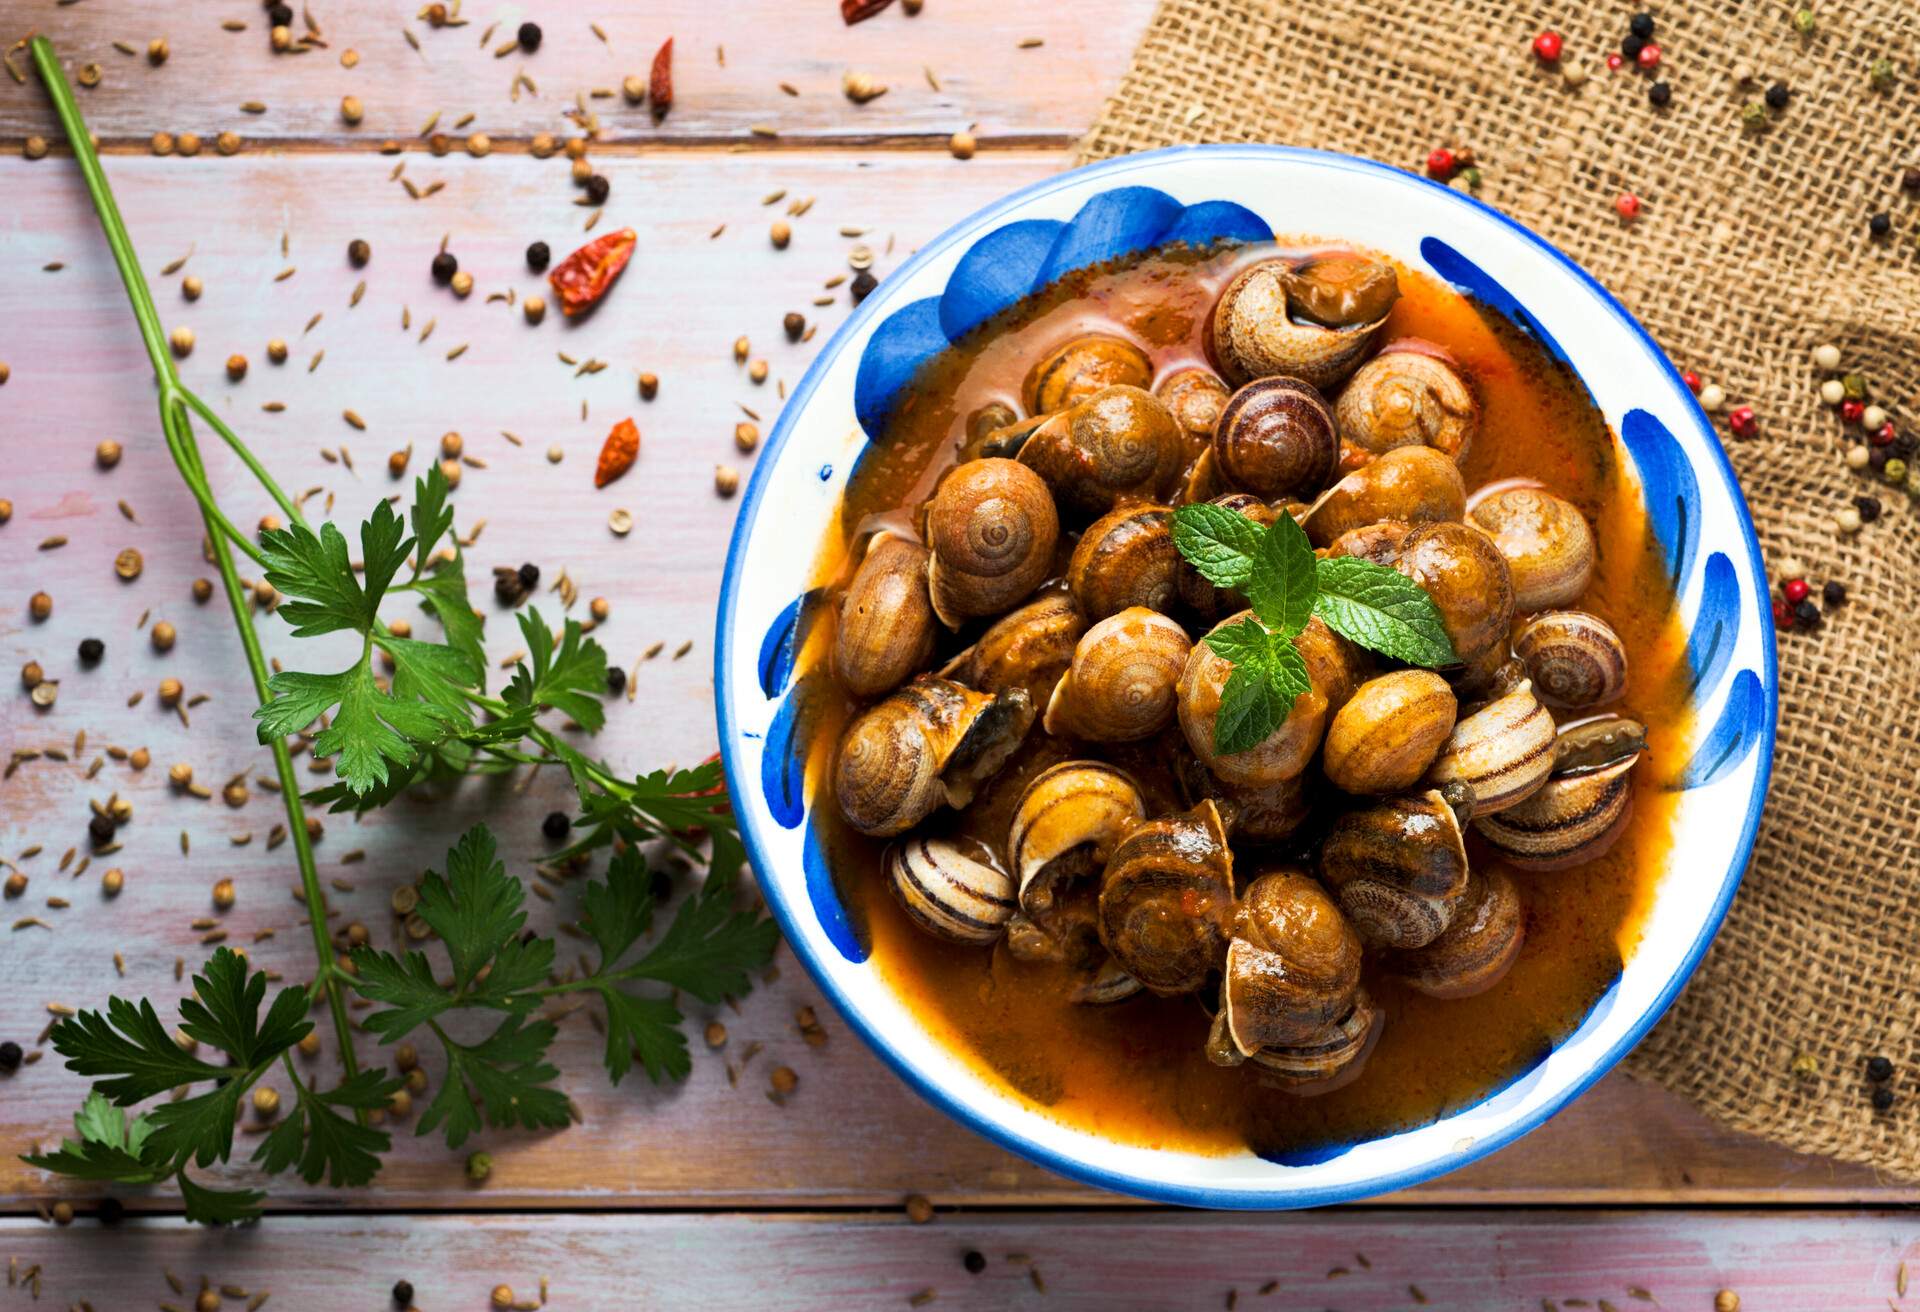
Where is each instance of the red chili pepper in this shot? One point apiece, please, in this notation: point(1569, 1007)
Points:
point(660, 80)
point(617, 453)
point(584, 276)
point(855, 11)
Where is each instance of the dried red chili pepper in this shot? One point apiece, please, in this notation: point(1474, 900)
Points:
point(660, 80)
point(618, 453)
point(854, 11)
point(584, 276)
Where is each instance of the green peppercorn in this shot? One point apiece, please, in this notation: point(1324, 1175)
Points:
point(479, 1166)
point(1472, 175)
point(1894, 471)
point(1804, 21)
point(1754, 116)
point(1854, 385)
point(1880, 73)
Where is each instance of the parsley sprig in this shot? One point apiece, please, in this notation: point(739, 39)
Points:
point(1286, 585)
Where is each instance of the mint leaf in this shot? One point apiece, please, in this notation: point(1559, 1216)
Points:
point(1384, 610)
point(1218, 542)
point(1247, 642)
point(1281, 586)
point(1260, 692)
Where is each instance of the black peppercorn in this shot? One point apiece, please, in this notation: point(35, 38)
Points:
point(1880, 224)
point(1879, 1069)
point(1641, 25)
point(975, 1261)
point(1778, 95)
point(1835, 592)
point(1882, 1098)
point(616, 680)
point(529, 574)
point(1903, 445)
point(863, 283)
point(1910, 180)
point(506, 588)
point(91, 650)
point(529, 35)
point(538, 257)
point(1869, 508)
point(444, 267)
point(358, 253)
point(10, 1056)
point(660, 884)
point(1877, 459)
point(597, 189)
point(403, 1293)
point(1660, 94)
point(1807, 615)
point(280, 15)
point(100, 829)
point(1632, 44)
point(556, 825)
point(111, 1211)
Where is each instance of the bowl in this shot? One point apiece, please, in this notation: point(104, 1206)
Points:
point(991, 259)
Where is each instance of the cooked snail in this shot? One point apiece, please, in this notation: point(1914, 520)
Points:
point(1502, 752)
point(1580, 812)
point(1410, 394)
point(1118, 444)
point(1121, 684)
point(1546, 540)
point(989, 418)
point(1476, 950)
point(1575, 659)
point(1292, 966)
point(1251, 815)
point(992, 529)
point(1460, 569)
point(1313, 323)
point(1066, 824)
point(1082, 367)
point(1194, 397)
point(929, 743)
point(885, 634)
point(1332, 665)
point(1389, 731)
point(953, 890)
point(1398, 868)
point(1027, 648)
point(1125, 558)
point(1166, 900)
point(1199, 592)
point(1412, 483)
point(1276, 439)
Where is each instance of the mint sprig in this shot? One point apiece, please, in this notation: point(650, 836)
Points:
point(1287, 585)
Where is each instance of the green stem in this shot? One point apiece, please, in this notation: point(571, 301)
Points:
point(220, 531)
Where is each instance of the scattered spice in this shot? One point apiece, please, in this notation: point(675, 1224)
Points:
point(617, 453)
point(660, 81)
point(584, 276)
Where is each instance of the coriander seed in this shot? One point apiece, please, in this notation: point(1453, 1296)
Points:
point(479, 145)
point(182, 341)
point(161, 143)
point(34, 148)
point(227, 143)
point(162, 636)
point(107, 454)
point(223, 895)
point(741, 349)
point(450, 470)
point(780, 234)
point(542, 145)
point(576, 147)
point(128, 563)
point(634, 89)
point(40, 605)
point(746, 436)
point(112, 881)
point(234, 794)
point(170, 692)
point(405, 1058)
point(600, 608)
point(726, 480)
point(961, 144)
point(16, 884)
point(919, 1209)
point(502, 1296)
point(157, 51)
point(63, 1213)
point(310, 1045)
point(276, 350)
point(462, 283)
point(534, 308)
point(757, 372)
point(649, 386)
point(351, 111)
point(580, 171)
point(31, 674)
point(187, 143)
point(266, 1102)
point(281, 38)
point(451, 445)
point(236, 367)
point(139, 758)
point(397, 462)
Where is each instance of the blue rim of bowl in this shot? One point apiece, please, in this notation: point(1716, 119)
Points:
point(1085, 1171)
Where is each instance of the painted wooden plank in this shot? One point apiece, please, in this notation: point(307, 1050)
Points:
point(853, 1134)
point(1046, 92)
point(1362, 1261)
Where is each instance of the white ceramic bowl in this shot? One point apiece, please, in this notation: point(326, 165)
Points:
point(988, 261)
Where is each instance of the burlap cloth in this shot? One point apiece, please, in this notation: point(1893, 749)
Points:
point(1752, 249)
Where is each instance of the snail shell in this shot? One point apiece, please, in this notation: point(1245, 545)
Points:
point(1066, 824)
point(1332, 664)
point(1581, 811)
point(1001, 442)
point(1327, 1061)
point(1276, 439)
point(1105, 986)
point(1166, 899)
point(1398, 868)
point(1293, 965)
point(1408, 395)
point(929, 743)
point(1477, 948)
point(1026, 648)
point(1118, 444)
point(1082, 367)
point(1575, 659)
point(1458, 566)
point(885, 634)
point(953, 890)
point(1412, 483)
point(1546, 540)
point(1379, 543)
point(1200, 593)
point(1253, 815)
point(1125, 558)
point(989, 418)
point(1121, 684)
point(1257, 329)
point(1502, 753)
point(1388, 733)
point(1194, 397)
point(992, 529)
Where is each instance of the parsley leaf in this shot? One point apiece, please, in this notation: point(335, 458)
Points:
point(476, 907)
point(371, 731)
point(443, 594)
point(431, 516)
point(325, 1143)
point(1281, 585)
point(1383, 609)
point(506, 1074)
point(570, 680)
point(1218, 542)
point(219, 1206)
point(325, 594)
point(110, 1147)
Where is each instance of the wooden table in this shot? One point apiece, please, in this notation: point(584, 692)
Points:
point(708, 1194)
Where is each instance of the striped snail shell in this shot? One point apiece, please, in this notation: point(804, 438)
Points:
point(1028, 648)
point(951, 889)
point(1582, 810)
point(1082, 367)
point(1276, 439)
point(1125, 558)
point(1397, 868)
point(1166, 899)
point(1546, 540)
point(922, 746)
point(1459, 567)
point(1194, 397)
point(992, 529)
point(1574, 658)
point(1293, 965)
point(1410, 394)
point(885, 634)
point(1107, 985)
point(1477, 948)
point(1121, 684)
point(1412, 483)
point(1329, 1059)
point(1118, 444)
point(1389, 731)
point(1066, 824)
point(1313, 323)
point(1503, 752)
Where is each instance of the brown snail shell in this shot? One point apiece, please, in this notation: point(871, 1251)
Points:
point(1252, 815)
point(1459, 567)
point(1002, 442)
point(992, 528)
point(1263, 323)
point(1583, 809)
point(1327, 1061)
point(1292, 967)
point(1574, 658)
point(1082, 367)
point(1030, 647)
point(1341, 289)
point(989, 418)
point(1476, 950)
point(925, 745)
point(1397, 868)
point(1200, 593)
point(1118, 444)
point(1332, 664)
point(951, 889)
point(1502, 752)
point(1412, 483)
point(1276, 439)
point(1546, 540)
point(1408, 395)
point(1389, 731)
point(1121, 684)
point(1067, 933)
point(1379, 543)
point(1194, 397)
point(1105, 986)
point(885, 634)
point(1166, 900)
point(1066, 824)
point(1125, 558)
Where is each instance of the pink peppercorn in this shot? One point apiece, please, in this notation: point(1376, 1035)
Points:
point(1649, 56)
point(1627, 205)
point(1740, 419)
point(1614, 62)
point(1851, 410)
point(1546, 47)
point(1796, 590)
point(1440, 162)
point(1782, 614)
point(1692, 380)
point(1883, 435)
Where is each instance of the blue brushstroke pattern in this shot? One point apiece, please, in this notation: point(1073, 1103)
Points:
point(783, 765)
point(825, 898)
point(996, 271)
point(780, 648)
point(1716, 628)
point(895, 352)
point(1216, 220)
point(1673, 491)
point(1474, 281)
point(1312, 1155)
point(1742, 721)
point(1110, 225)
